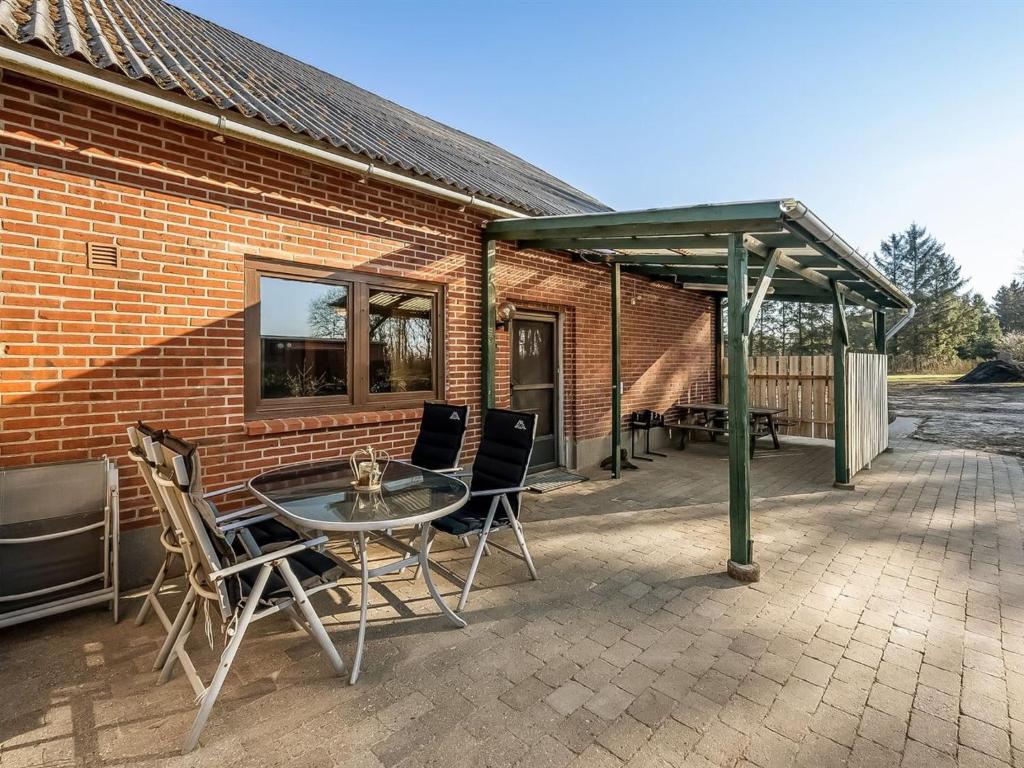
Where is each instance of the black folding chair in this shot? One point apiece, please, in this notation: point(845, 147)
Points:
point(442, 434)
point(645, 420)
point(499, 474)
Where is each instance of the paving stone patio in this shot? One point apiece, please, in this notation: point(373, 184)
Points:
point(887, 629)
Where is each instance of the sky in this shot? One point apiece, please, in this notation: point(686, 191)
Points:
point(875, 115)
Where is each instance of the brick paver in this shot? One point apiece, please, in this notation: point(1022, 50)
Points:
point(887, 629)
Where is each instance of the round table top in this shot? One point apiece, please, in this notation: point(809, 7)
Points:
point(321, 496)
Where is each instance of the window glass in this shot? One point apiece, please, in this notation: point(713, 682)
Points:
point(401, 340)
point(303, 338)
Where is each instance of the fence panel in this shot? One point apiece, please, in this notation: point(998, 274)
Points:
point(867, 432)
point(801, 385)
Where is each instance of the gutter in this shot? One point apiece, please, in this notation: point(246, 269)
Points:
point(71, 74)
point(796, 212)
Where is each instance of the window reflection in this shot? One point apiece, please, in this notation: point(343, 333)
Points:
point(401, 341)
point(303, 338)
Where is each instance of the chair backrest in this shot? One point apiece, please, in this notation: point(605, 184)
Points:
point(647, 418)
point(503, 458)
point(442, 433)
point(204, 546)
point(139, 435)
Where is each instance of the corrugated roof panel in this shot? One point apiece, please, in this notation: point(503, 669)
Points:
point(176, 50)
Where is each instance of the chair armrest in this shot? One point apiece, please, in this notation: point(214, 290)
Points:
point(454, 471)
point(229, 516)
point(496, 492)
point(280, 554)
point(225, 491)
point(247, 521)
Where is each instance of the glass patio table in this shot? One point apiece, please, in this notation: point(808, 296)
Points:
point(321, 497)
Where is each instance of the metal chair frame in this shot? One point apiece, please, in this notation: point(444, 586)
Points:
point(140, 452)
point(208, 577)
point(498, 496)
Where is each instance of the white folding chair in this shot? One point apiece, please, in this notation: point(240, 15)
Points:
point(257, 527)
point(140, 436)
point(240, 589)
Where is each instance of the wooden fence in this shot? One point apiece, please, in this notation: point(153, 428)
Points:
point(800, 384)
point(803, 385)
point(867, 409)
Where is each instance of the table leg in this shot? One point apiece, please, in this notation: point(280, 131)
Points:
point(364, 601)
point(425, 538)
point(774, 432)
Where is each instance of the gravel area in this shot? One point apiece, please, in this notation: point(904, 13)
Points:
point(987, 417)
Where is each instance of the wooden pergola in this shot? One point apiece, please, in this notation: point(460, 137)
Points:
point(773, 249)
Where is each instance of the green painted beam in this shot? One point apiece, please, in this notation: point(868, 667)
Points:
point(706, 218)
point(825, 248)
point(821, 281)
point(806, 298)
point(785, 239)
point(660, 258)
point(753, 307)
point(488, 321)
point(840, 343)
point(687, 242)
point(841, 325)
point(703, 260)
point(715, 278)
point(541, 237)
point(740, 545)
point(616, 371)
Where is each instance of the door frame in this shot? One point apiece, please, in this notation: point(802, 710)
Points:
point(557, 319)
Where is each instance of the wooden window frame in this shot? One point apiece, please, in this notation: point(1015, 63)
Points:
point(359, 398)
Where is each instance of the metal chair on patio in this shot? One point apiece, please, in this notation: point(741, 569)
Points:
point(498, 477)
point(139, 435)
point(259, 533)
point(241, 589)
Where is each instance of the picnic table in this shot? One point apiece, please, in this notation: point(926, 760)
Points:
point(713, 418)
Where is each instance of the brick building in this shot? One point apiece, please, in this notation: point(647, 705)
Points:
point(279, 266)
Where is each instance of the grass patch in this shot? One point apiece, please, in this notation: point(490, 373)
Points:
point(923, 378)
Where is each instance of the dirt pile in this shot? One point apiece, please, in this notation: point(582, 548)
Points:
point(994, 372)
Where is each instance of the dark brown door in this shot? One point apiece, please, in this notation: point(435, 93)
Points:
point(535, 381)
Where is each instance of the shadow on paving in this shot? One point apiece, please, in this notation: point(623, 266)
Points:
point(632, 614)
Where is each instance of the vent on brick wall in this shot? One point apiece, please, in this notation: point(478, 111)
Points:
point(103, 256)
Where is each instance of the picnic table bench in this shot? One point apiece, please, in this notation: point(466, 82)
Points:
point(713, 419)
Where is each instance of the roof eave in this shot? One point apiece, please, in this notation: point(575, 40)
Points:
point(40, 63)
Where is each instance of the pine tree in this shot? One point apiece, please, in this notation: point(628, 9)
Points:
point(983, 333)
point(919, 264)
point(1009, 307)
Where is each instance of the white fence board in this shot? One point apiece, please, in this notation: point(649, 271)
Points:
point(867, 409)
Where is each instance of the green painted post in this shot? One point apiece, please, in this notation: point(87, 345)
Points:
point(840, 342)
point(880, 342)
point(616, 372)
point(741, 564)
point(488, 321)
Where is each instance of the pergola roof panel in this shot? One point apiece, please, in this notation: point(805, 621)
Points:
point(690, 244)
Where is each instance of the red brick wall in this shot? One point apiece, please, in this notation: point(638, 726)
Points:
point(85, 352)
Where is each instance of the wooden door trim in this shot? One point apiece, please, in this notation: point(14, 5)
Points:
point(558, 321)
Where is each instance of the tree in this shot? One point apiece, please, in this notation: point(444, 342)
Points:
point(984, 334)
point(1009, 307)
point(328, 314)
point(919, 264)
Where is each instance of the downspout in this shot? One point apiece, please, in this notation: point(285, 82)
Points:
point(902, 323)
point(68, 73)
